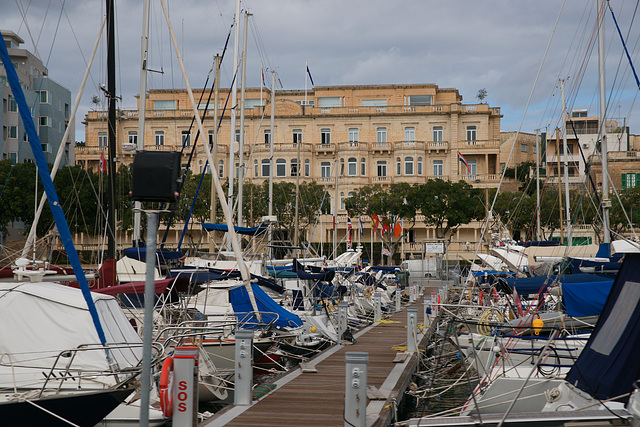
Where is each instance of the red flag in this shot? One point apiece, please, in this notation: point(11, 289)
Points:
point(102, 166)
point(374, 222)
point(397, 229)
point(263, 83)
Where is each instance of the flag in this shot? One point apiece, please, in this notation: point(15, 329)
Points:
point(102, 166)
point(464, 161)
point(386, 252)
point(361, 225)
point(374, 222)
point(334, 222)
point(397, 229)
point(349, 228)
point(385, 225)
point(310, 78)
point(263, 83)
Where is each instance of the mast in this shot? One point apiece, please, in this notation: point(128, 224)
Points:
point(606, 203)
point(142, 109)
point(111, 95)
point(538, 233)
point(234, 105)
point(335, 215)
point(271, 136)
point(566, 165)
point(214, 167)
point(241, 168)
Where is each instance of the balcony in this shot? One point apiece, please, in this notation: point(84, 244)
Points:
point(437, 146)
point(487, 143)
point(354, 146)
point(325, 148)
point(409, 145)
point(382, 180)
point(381, 147)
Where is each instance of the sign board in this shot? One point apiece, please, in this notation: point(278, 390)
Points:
point(433, 247)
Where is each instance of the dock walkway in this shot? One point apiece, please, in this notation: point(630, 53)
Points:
point(317, 398)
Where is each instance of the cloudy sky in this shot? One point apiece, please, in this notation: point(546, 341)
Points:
point(498, 45)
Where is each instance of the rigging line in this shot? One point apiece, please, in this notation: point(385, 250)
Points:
point(23, 13)
point(635, 75)
point(486, 224)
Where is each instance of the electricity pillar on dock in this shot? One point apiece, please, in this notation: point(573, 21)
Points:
point(377, 316)
point(185, 394)
point(355, 396)
point(412, 326)
point(342, 318)
point(398, 299)
point(243, 367)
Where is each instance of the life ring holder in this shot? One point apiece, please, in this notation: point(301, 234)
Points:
point(165, 389)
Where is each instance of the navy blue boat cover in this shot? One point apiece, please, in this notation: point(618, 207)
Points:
point(537, 284)
point(609, 364)
point(585, 298)
point(268, 308)
point(250, 231)
point(140, 253)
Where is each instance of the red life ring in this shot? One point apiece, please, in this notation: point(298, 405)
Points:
point(166, 392)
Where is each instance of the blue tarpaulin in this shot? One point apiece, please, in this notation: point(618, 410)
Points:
point(250, 231)
point(268, 308)
point(536, 284)
point(586, 298)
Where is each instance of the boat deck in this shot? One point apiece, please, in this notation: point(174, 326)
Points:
point(308, 398)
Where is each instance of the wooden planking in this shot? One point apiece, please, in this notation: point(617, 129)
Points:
point(317, 399)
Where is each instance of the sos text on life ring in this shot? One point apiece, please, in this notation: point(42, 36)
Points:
point(165, 389)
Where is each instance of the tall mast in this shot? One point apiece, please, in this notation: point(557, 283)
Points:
point(241, 169)
point(271, 137)
point(142, 109)
point(538, 234)
point(566, 165)
point(234, 105)
point(111, 95)
point(606, 203)
point(214, 167)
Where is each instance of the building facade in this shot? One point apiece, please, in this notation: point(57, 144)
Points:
point(377, 134)
point(49, 102)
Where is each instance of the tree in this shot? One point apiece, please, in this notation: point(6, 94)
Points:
point(390, 207)
point(446, 205)
point(482, 94)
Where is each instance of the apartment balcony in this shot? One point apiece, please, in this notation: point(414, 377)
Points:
point(381, 147)
point(404, 146)
point(487, 143)
point(437, 147)
point(478, 180)
point(90, 150)
point(382, 180)
point(325, 148)
point(287, 147)
point(353, 147)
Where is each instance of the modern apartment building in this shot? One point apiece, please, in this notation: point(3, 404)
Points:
point(49, 104)
point(373, 134)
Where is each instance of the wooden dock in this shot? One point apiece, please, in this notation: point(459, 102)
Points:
point(308, 398)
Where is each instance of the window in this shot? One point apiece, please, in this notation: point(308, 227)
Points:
point(67, 111)
point(133, 138)
point(186, 138)
point(267, 136)
point(382, 168)
point(410, 134)
point(353, 135)
point(419, 165)
point(420, 99)
point(352, 166)
point(102, 139)
point(341, 201)
point(535, 149)
point(13, 132)
point(307, 167)
point(13, 104)
point(44, 97)
point(255, 168)
point(46, 147)
point(168, 104)
point(211, 137)
point(438, 168)
point(159, 138)
point(398, 166)
point(437, 134)
point(281, 167)
point(381, 134)
point(294, 167)
point(329, 101)
point(221, 168)
point(238, 135)
point(471, 133)
point(325, 169)
point(408, 165)
point(45, 121)
point(297, 136)
point(502, 166)
point(14, 158)
point(473, 167)
point(630, 180)
point(523, 148)
point(374, 102)
point(237, 170)
point(579, 113)
point(363, 166)
point(341, 167)
point(252, 102)
point(325, 136)
point(266, 167)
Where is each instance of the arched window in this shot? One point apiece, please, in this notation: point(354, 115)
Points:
point(419, 165)
point(307, 167)
point(266, 167)
point(398, 166)
point(221, 169)
point(281, 167)
point(255, 167)
point(408, 165)
point(341, 201)
point(353, 166)
point(363, 166)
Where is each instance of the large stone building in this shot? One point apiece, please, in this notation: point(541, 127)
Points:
point(377, 134)
point(49, 102)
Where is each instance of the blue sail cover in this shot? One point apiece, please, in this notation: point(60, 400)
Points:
point(609, 363)
point(586, 298)
point(268, 308)
point(249, 231)
point(537, 284)
point(140, 253)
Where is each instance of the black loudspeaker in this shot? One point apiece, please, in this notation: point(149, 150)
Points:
point(155, 176)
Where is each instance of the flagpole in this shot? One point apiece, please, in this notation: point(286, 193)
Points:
point(306, 67)
point(261, 80)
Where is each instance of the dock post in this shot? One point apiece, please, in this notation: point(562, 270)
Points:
point(243, 367)
point(377, 316)
point(411, 292)
point(342, 319)
point(398, 299)
point(185, 393)
point(426, 311)
point(412, 325)
point(355, 396)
